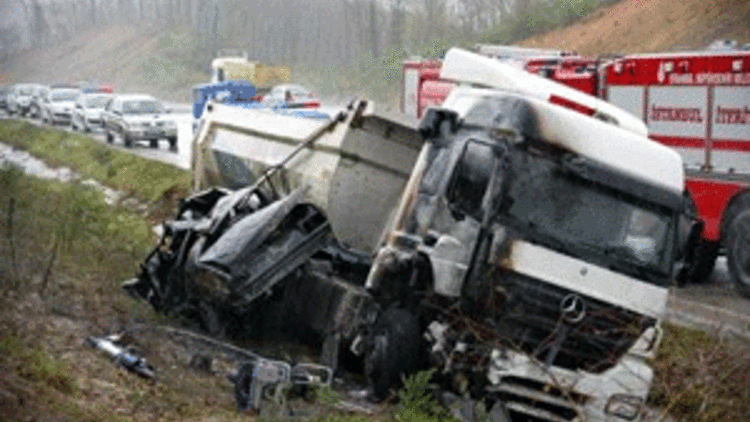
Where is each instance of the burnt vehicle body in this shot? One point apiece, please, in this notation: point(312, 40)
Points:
point(284, 221)
point(527, 256)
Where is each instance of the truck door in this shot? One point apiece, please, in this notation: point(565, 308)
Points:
point(472, 191)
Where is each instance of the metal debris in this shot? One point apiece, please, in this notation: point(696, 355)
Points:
point(123, 357)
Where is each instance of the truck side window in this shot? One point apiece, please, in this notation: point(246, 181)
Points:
point(470, 178)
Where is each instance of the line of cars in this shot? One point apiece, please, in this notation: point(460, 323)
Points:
point(130, 118)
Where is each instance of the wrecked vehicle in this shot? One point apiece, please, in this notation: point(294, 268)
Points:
point(521, 247)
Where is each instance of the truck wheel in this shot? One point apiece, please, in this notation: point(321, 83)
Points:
point(173, 144)
point(737, 244)
point(127, 141)
point(393, 352)
point(737, 206)
point(703, 263)
point(110, 137)
point(153, 143)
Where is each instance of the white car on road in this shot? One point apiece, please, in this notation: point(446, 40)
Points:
point(139, 118)
point(87, 113)
point(19, 99)
point(57, 106)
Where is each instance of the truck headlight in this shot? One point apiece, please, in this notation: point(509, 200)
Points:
point(170, 124)
point(624, 406)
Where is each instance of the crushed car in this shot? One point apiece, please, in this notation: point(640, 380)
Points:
point(519, 246)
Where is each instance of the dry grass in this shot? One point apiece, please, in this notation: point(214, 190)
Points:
point(701, 378)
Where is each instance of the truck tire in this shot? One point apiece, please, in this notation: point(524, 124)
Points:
point(110, 137)
point(737, 243)
point(394, 351)
point(173, 144)
point(739, 204)
point(127, 141)
point(702, 265)
point(153, 143)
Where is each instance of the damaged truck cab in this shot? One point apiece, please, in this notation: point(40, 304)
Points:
point(535, 246)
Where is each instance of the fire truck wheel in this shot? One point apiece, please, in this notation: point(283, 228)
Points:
point(738, 252)
point(394, 351)
point(739, 204)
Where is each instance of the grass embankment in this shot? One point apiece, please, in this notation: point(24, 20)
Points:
point(64, 252)
point(148, 181)
point(699, 378)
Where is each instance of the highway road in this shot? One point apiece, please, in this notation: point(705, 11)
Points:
point(714, 306)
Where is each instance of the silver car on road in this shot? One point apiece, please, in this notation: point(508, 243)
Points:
point(87, 113)
point(57, 106)
point(139, 118)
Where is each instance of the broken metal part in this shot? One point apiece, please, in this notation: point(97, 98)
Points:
point(270, 379)
point(121, 356)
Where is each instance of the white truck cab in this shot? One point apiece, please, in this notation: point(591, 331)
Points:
point(555, 231)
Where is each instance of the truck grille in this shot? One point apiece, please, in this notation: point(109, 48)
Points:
point(530, 318)
point(62, 115)
point(531, 400)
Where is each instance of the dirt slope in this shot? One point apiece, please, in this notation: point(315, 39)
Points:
point(640, 26)
point(131, 58)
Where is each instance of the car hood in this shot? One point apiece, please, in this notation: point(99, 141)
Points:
point(146, 118)
point(63, 105)
point(93, 113)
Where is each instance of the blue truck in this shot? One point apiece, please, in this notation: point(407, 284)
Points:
point(241, 94)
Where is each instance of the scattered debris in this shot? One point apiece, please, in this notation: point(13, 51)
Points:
point(123, 357)
point(269, 379)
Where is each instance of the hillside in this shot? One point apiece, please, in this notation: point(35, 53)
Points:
point(641, 26)
point(132, 58)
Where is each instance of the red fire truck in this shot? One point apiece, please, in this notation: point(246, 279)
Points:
point(698, 102)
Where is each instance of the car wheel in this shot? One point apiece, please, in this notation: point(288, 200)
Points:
point(393, 352)
point(110, 137)
point(153, 143)
point(173, 144)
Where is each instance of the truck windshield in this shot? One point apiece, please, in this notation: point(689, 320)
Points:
point(559, 206)
point(141, 107)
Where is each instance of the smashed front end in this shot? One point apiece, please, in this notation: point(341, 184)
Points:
point(537, 274)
